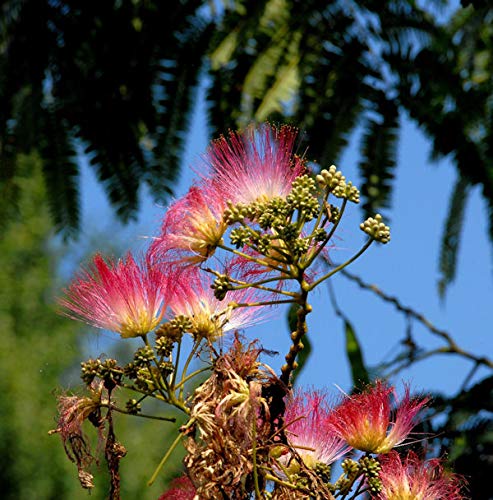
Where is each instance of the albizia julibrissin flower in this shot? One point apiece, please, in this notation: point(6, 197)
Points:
point(411, 478)
point(121, 296)
point(194, 298)
point(73, 412)
point(256, 164)
point(306, 419)
point(192, 227)
point(370, 422)
point(181, 489)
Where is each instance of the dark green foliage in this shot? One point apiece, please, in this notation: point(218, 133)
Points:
point(466, 434)
point(114, 77)
point(378, 151)
point(355, 356)
point(451, 236)
point(118, 79)
point(37, 347)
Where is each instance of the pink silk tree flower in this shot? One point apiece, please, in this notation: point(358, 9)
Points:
point(412, 478)
point(192, 228)
point(181, 489)
point(306, 418)
point(210, 318)
point(122, 296)
point(368, 422)
point(256, 164)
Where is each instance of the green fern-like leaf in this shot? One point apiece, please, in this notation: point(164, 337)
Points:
point(378, 155)
point(176, 86)
point(60, 169)
point(451, 235)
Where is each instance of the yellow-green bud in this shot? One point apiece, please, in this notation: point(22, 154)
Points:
point(331, 178)
point(375, 228)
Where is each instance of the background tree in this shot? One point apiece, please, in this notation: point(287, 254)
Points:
point(37, 346)
point(116, 83)
point(39, 358)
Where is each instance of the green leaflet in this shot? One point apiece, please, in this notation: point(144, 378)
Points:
point(355, 356)
point(451, 235)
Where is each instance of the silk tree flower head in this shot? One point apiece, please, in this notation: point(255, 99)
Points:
point(256, 164)
point(369, 422)
point(121, 296)
point(411, 478)
point(308, 432)
point(192, 227)
point(73, 412)
point(209, 317)
point(181, 489)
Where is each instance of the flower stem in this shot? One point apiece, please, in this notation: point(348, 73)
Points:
point(342, 266)
point(164, 460)
point(142, 415)
point(251, 258)
point(297, 335)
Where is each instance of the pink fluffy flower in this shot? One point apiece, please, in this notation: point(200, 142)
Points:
point(210, 317)
point(368, 422)
point(255, 165)
point(181, 489)
point(412, 478)
point(307, 429)
point(192, 227)
point(122, 296)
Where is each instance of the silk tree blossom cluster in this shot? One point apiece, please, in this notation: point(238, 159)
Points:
point(410, 478)
point(369, 422)
point(251, 235)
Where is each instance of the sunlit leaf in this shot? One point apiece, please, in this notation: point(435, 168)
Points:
point(355, 356)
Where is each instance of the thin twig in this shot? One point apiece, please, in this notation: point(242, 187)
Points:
point(452, 348)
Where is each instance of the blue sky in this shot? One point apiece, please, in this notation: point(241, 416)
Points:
point(407, 267)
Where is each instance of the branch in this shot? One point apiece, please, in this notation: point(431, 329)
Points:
point(452, 347)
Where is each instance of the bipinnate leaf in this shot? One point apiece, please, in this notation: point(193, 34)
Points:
point(355, 356)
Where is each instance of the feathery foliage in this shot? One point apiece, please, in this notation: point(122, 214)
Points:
point(451, 235)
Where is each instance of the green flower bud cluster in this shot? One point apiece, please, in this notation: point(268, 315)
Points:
point(263, 243)
point(144, 379)
point(172, 330)
point(289, 232)
point(273, 213)
point(166, 368)
point(133, 407)
point(323, 471)
point(164, 346)
point(351, 470)
point(350, 192)
point(90, 370)
point(334, 214)
point(319, 234)
point(333, 180)
point(130, 371)
point(302, 196)
point(221, 286)
point(240, 236)
point(371, 468)
point(343, 485)
point(143, 356)
point(299, 246)
point(239, 212)
point(375, 228)
point(350, 467)
point(181, 323)
point(106, 370)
